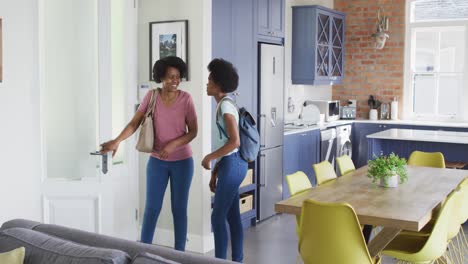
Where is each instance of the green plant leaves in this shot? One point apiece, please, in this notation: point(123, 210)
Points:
point(383, 167)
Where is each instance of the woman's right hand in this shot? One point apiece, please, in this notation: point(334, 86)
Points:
point(213, 182)
point(111, 145)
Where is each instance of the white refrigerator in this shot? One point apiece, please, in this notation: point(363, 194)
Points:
point(271, 125)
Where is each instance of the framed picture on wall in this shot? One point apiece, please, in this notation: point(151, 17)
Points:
point(168, 38)
point(1, 55)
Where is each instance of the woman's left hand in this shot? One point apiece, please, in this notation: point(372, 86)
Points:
point(206, 162)
point(167, 150)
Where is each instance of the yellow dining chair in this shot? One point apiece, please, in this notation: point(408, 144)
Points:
point(464, 213)
point(324, 172)
point(427, 159)
point(297, 183)
point(330, 234)
point(345, 164)
point(424, 249)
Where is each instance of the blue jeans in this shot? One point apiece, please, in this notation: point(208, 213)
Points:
point(158, 173)
point(231, 172)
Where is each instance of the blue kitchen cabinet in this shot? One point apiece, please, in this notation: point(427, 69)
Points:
point(451, 151)
point(361, 144)
point(317, 45)
point(300, 152)
point(359, 140)
point(234, 39)
point(270, 20)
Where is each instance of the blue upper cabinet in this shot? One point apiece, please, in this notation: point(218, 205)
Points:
point(270, 16)
point(317, 45)
point(233, 39)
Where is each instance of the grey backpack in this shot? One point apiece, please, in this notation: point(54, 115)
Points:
point(248, 133)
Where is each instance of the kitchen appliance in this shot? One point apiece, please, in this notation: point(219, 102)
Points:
point(348, 111)
point(343, 141)
point(271, 124)
point(331, 109)
point(328, 145)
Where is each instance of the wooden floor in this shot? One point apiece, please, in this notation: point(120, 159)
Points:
point(274, 241)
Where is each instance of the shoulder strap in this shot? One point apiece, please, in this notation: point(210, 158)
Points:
point(218, 108)
point(150, 109)
point(220, 129)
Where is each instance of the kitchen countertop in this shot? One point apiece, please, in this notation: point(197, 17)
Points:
point(386, 122)
point(318, 126)
point(422, 135)
point(415, 123)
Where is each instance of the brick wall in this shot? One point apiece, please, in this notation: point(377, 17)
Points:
point(368, 70)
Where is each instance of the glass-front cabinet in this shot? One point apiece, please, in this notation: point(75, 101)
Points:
point(317, 45)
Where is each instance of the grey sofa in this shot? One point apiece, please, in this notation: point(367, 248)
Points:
point(47, 243)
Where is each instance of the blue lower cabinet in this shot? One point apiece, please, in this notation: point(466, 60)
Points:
point(360, 143)
point(364, 149)
point(300, 152)
point(403, 148)
point(249, 218)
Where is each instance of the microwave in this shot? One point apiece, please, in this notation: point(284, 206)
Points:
point(331, 109)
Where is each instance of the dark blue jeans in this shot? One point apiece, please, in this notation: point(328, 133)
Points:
point(231, 172)
point(158, 173)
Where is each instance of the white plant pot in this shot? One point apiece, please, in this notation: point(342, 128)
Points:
point(392, 182)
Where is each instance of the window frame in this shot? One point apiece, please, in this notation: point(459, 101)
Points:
point(408, 95)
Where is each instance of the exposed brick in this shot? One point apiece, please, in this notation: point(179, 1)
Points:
point(367, 70)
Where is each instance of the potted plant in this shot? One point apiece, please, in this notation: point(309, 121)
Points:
point(390, 170)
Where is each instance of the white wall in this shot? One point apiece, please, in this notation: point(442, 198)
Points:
point(199, 15)
point(19, 113)
point(300, 93)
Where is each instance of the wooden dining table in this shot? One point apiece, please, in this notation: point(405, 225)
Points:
point(409, 206)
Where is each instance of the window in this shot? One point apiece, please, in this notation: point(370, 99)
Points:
point(436, 60)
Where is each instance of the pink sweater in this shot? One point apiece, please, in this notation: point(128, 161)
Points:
point(171, 123)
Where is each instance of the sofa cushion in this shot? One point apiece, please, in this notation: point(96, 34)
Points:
point(15, 256)
point(43, 248)
point(147, 258)
point(98, 240)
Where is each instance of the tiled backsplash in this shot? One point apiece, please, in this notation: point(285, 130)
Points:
point(300, 93)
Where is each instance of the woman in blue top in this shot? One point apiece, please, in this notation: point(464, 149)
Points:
point(230, 168)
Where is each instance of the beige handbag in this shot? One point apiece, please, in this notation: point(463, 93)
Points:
point(146, 137)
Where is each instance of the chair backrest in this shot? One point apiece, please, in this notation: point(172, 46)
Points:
point(345, 164)
point(324, 172)
point(463, 204)
point(456, 215)
point(427, 159)
point(330, 234)
point(298, 182)
point(436, 244)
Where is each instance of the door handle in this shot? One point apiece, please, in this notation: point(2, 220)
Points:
point(262, 129)
point(104, 160)
point(262, 168)
point(274, 65)
point(273, 117)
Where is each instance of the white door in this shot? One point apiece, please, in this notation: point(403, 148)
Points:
point(84, 65)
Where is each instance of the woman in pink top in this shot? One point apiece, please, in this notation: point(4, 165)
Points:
point(175, 126)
